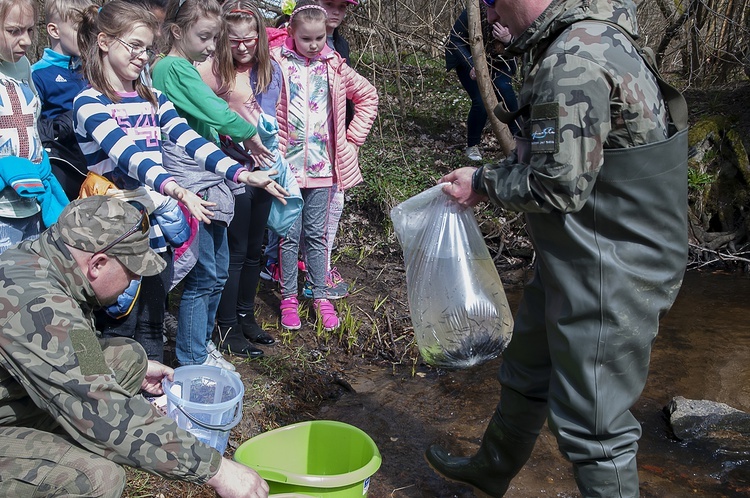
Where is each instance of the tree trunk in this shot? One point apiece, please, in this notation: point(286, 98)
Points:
point(486, 87)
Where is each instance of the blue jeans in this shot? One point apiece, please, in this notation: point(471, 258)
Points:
point(15, 230)
point(504, 92)
point(201, 294)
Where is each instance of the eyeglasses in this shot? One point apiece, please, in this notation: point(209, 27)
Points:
point(136, 52)
point(247, 42)
point(489, 3)
point(143, 225)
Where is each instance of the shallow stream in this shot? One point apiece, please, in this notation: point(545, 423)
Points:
point(701, 353)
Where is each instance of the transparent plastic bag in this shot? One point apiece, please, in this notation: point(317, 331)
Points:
point(458, 305)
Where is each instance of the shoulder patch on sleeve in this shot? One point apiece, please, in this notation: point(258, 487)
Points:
point(545, 121)
point(88, 352)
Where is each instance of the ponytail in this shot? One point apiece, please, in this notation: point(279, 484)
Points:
point(114, 20)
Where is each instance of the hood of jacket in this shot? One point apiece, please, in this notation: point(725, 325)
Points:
point(561, 14)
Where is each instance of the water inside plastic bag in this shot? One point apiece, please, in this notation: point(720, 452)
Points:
point(458, 306)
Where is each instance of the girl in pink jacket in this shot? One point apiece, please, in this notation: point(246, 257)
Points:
point(321, 150)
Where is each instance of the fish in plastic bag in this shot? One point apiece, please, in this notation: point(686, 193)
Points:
point(458, 306)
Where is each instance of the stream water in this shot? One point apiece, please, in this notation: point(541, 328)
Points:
point(701, 353)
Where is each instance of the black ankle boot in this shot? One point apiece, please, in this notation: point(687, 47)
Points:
point(229, 340)
point(498, 460)
point(252, 331)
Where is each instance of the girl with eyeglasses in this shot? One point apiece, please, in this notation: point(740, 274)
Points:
point(242, 73)
point(192, 31)
point(119, 124)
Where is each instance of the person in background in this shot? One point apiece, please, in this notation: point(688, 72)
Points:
point(58, 79)
point(157, 7)
point(320, 148)
point(600, 172)
point(192, 30)
point(243, 74)
point(70, 412)
point(502, 68)
point(30, 195)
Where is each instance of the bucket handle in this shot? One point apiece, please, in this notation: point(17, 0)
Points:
point(223, 427)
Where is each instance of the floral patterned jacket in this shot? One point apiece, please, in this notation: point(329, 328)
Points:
point(342, 143)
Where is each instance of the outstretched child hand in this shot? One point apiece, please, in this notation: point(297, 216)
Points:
point(260, 153)
point(198, 207)
point(262, 179)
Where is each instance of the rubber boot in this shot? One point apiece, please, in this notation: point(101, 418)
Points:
point(616, 477)
point(252, 331)
point(499, 459)
point(230, 340)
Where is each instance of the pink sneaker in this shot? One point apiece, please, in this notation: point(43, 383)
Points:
point(271, 272)
point(326, 314)
point(289, 314)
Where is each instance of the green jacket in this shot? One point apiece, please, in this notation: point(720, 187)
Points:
point(50, 356)
point(194, 100)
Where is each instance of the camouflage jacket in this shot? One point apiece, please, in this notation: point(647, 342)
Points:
point(585, 89)
point(46, 313)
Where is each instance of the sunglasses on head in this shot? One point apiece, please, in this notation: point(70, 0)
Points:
point(143, 225)
point(489, 3)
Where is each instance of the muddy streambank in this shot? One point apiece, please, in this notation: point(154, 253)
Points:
point(700, 353)
point(377, 382)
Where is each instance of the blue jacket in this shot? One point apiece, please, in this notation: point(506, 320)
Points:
point(34, 180)
point(58, 80)
point(172, 222)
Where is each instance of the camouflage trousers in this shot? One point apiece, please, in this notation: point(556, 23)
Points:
point(37, 460)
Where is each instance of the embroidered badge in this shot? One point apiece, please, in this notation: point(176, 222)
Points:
point(545, 121)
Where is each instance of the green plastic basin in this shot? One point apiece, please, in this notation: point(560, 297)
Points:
point(318, 458)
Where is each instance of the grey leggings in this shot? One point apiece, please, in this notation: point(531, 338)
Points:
point(314, 220)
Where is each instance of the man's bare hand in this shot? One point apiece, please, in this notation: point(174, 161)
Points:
point(155, 373)
point(234, 480)
point(458, 187)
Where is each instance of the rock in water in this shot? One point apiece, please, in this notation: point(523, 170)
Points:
point(710, 422)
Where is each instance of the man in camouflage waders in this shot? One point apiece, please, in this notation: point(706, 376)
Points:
point(600, 172)
point(70, 415)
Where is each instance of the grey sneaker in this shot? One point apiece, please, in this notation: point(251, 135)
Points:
point(336, 287)
point(473, 153)
point(215, 359)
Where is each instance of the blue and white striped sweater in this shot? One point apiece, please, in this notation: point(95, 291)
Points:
point(123, 142)
point(127, 136)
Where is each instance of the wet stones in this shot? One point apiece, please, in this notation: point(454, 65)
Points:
point(715, 424)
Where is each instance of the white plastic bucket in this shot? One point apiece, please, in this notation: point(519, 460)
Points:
point(207, 401)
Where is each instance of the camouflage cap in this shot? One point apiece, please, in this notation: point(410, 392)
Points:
point(93, 223)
